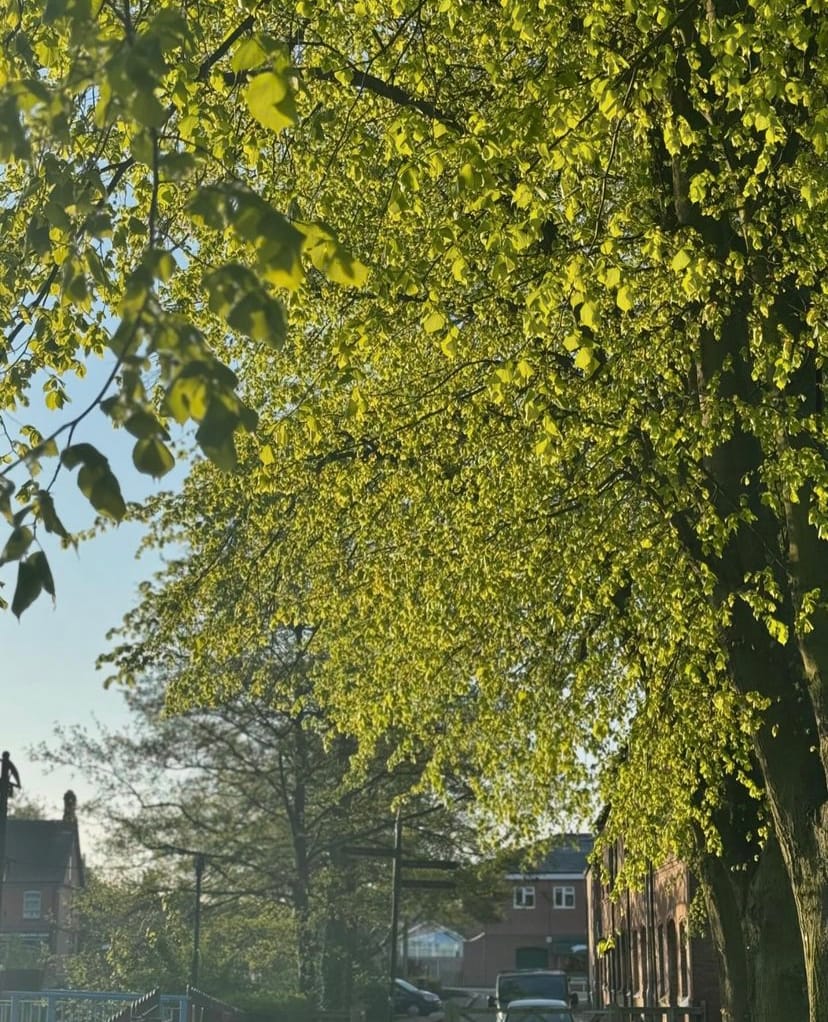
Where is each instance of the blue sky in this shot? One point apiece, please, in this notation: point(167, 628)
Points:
point(48, 657)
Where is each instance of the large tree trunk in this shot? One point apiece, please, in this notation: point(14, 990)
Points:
point(752, 916)
point(804, 834)
point(789, 742)
point(787, 749)
point(727, 929)
point(790, 670)
point(775, 958)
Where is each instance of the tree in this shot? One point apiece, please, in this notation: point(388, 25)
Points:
point(258, 787)
point(136, 934)
point(109, 164)
point(566, 446)
point(23, 807)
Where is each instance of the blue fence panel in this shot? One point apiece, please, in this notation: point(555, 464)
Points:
point(80, 1006)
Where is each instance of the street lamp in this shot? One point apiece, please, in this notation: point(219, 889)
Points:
point(199, 862)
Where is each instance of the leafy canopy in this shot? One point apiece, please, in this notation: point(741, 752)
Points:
point(551, 481)
point(138, 227)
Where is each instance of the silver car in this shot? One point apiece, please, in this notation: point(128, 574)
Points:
point(538, 1009)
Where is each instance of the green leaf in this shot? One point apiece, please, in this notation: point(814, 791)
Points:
point(33, 576)
point(82, 454)
point(187, 398)
point(236, 294)
point(589, 315)
point(147, 110)
point(38, 563)
point(142, 424)
point(29, 586)
point(624, 298)
point(101, 489)
point(248, 54)
point(434, 322)
point(152, 457)
point(54, 10)
point(329, 257)
point(260, 317)
point(176, 166)
point(6, 491)
point(269, 101)
point(17, 544)
point(215, 435)
point(46, 512)
point(681, 260)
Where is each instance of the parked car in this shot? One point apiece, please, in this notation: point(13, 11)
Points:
point(410, 1000)
point(539, 984)
point(538, 1009)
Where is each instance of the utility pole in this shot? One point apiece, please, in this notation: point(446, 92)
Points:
point(198, 861)
point(9, 780)
point(396, 879)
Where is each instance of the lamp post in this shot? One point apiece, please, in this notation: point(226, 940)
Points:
point(9, 780)
point(396, 881)
point(198, 862)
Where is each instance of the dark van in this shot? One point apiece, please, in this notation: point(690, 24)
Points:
point(522, 983)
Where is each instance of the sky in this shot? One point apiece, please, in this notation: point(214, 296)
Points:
point(47, 659)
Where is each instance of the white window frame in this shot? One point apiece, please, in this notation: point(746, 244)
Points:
point(32, 904)
point(523, 897)
point(563, 897)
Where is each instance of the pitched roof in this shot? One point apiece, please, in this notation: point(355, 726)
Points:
point(419, 929)
point(567, 854)
point(40, 850)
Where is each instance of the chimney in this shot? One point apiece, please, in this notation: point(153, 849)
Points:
point(70, 804)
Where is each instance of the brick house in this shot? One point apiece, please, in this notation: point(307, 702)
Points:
point(641, 946)
point(43, 871)
point(542, 921)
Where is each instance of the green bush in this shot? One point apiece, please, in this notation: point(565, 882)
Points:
point(293, 1008)
point(373, 998)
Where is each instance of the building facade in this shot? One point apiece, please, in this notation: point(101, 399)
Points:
point(43, 873)
point(542, 921)
point(642, 949)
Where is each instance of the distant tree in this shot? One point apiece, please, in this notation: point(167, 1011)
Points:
point(260, 786)
point(23, 806)
point(136, 934)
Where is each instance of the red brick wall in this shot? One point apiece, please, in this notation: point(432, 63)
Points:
point(495, 950)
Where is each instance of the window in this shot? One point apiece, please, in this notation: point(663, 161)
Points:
point(31, 904)
point(23, 950)
point(662, 986)
point(672, 961)
point(524, 897)
point(563, 897)
point(683, 970)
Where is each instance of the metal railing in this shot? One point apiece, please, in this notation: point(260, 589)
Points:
point(81, 1006)
point(655, 1013)
point(461, 1013)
